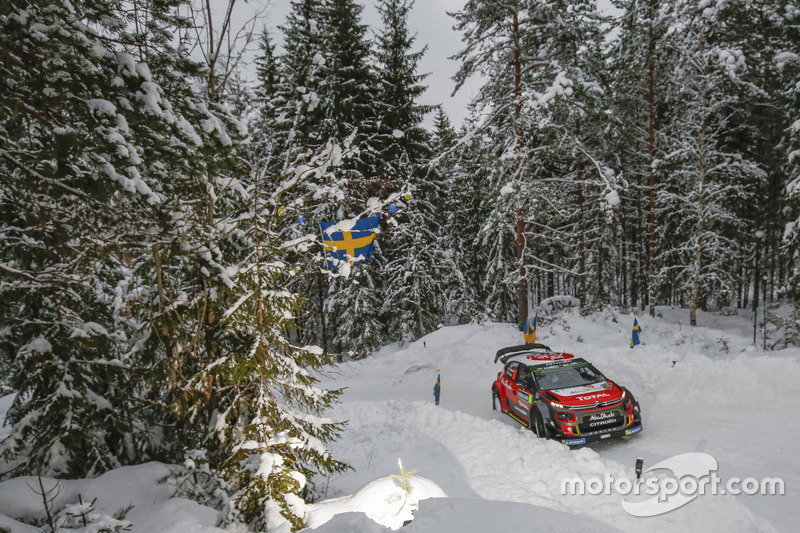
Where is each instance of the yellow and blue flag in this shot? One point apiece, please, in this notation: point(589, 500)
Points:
point(437, 388)
point(353, 246)
point(530, 329)
point(637, 330)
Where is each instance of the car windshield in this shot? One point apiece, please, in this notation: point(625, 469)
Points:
point(567, 376)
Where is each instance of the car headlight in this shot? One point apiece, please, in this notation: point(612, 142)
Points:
point(565, 416)
point(552, 400)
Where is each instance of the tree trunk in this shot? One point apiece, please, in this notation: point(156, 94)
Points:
point(522, 289)
point(581, 222)
point(651, 174)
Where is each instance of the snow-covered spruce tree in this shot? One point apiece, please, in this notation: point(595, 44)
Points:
point(99, 133)
point(571, 225)
point(708, 178)
point(403, 141)
point(267, 436)
point(415, 259)
point(298, 113)
point(498, 48)
point(469, 207)
point(262, 111)
point(352, 309)
point(760, 32)
point(298, 134)
point(347, 98)
point(789, 59)
point(641, 60)
point(459, 222)
point(526, 52)
point(348, 88)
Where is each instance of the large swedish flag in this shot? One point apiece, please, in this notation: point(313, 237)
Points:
point(354, 246)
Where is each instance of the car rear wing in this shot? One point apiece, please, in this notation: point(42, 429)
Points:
point(504, 354)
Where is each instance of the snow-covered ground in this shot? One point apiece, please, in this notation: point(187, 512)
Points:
point(703, 389)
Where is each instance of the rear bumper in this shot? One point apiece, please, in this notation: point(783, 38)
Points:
point(578, 441)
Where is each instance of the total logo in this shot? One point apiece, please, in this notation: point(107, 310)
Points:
point(592, 396)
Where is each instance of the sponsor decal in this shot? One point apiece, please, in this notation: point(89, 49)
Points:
point(550, 357)
point(598, 420)
point(633, 430)
point(604, 422)
point(602, 416)
point(519, 409)
point(587, 397)
point(572, 442)
point(583, 389)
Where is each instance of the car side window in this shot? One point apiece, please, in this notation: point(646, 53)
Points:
point(511, 370)
point(524, 378)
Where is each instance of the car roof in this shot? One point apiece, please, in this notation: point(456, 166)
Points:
point(543, 359)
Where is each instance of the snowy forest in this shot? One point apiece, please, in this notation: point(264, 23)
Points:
point(163, 286)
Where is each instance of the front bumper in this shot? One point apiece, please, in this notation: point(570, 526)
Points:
point(578, 441)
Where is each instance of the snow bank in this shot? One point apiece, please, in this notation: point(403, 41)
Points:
point(152, 507)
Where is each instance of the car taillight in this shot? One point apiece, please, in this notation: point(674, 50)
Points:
point(565, 416)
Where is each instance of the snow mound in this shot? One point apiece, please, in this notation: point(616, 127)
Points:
point(384, 501)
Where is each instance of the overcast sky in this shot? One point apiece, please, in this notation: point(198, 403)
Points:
point(433, 27)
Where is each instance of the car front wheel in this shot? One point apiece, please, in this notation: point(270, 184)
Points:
point(537, 425)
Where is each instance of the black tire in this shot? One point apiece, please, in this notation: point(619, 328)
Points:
point(497, 404)
point(537, 425)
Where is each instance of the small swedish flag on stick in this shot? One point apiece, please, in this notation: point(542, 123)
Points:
point(637, 330)
point(530, 329)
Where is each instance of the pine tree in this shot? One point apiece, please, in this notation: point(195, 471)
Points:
point(643, 59)
point(533, 70)
point(414, 256)
point(268, 437)
point(788, 59)
point(348, 84)
point(708, 178)
point(298, 112)
point(459, 222)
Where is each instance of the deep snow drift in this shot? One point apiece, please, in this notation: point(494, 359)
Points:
point(703, 389)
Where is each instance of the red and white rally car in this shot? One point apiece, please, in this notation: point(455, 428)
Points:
point(562, 397)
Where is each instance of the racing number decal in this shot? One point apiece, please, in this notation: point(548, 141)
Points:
point(525, 397)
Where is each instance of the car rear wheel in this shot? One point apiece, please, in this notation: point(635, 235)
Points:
point(537, 425)
point(497, 404)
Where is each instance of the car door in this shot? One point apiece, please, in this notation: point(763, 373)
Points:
point(509, 386)
point(525, 390)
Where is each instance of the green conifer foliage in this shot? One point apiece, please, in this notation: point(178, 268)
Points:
point(98, 131)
